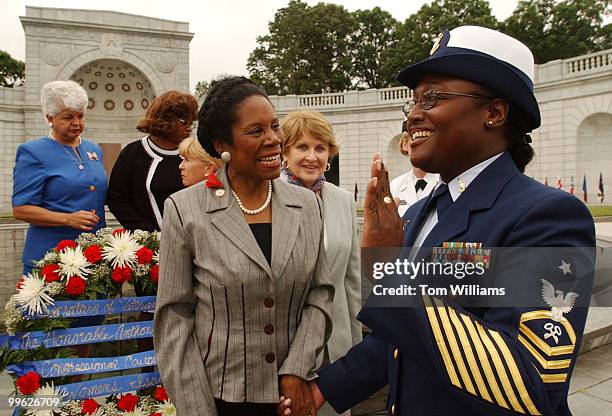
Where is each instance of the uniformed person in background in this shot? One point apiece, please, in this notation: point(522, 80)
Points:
point(473, 107)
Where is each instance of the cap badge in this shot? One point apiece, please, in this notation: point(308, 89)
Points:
point(436, 44)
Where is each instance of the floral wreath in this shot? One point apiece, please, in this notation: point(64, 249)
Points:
point(91, 267)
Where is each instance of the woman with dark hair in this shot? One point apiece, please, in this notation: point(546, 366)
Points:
point(498, 352)
point(244, 295)
point(147, 170)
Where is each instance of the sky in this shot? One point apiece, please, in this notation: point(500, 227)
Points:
point(225, 31)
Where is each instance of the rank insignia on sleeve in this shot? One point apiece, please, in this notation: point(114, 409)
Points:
point(550, 342)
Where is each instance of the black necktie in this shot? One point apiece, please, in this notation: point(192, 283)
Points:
point(420, 185)
point(443, 200)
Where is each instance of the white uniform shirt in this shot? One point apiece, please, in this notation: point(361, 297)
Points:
point(403, 188)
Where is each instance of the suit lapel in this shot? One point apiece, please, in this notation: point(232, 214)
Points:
point(230, 222)
point(328, 206)
point(479, 195)
point(286, 219)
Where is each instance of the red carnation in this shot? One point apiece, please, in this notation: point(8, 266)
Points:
point(127, 403)
point(118, 231)
point(121, 274)
point(29, 383)
point(93, 253)
point(145, 255)
point(212, 181)
point(51, 273)
point(155, 414)
point(89, 406)
point(20, 282)
point(155, 273)
point(160, 394)
point(75, 286)
point(65, 243)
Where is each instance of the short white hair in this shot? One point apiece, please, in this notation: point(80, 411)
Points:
point(57, 96)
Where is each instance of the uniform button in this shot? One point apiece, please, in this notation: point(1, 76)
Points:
point(270, 357)
point(269, 329)
point(268, 302)
point(393, 409)
point(92, 188)
point(395, 354)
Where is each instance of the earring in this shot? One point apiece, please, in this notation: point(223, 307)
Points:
point(490, 123)
point(226, 157)
point(284, 165)
point(50, 124)
point(327, 168)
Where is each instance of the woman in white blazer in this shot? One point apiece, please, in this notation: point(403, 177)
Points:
point(308, 146)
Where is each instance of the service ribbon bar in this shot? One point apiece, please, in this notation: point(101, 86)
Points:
point(71, 366)
point(78, 336)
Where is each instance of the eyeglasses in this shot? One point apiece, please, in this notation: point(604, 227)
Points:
point(429, 99)
point(186, 123)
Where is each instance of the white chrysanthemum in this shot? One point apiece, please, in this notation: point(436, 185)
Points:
point(72, 262)
point(33, 296)
point(167, 409)
point(121, 250)
point(45, 393)
point(12, 317)
point(136, 412)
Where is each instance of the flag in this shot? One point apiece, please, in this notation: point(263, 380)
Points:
point(559, 183)
point(356, 192)
point(584, 189)
point(545, 180)
point(600, 190)
point(571, 188)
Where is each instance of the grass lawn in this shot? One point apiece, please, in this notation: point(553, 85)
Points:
point(600, 210)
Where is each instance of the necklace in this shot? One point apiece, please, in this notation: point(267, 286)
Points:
point(78, 161)
point(261, 208)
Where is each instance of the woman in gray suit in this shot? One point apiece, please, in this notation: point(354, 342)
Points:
point(309, 145)
point(244, 297)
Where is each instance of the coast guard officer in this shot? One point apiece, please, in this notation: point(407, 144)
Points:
point(473, 107)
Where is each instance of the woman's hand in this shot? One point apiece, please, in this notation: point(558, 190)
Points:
point(82, 220)
point(297, 396)
point(382, 225)
point(284, 407)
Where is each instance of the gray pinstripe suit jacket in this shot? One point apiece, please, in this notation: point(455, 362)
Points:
point(215, 291)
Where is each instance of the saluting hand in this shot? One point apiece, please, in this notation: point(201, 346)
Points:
point(382, 225)
point(82, 220)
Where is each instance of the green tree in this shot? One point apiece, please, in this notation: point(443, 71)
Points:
point(560, 29)
point(416, 35)
point(373, 37)
point(306, 50)
point(12, 71)
point(201, 88)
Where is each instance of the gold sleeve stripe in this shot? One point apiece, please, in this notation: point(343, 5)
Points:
point(547, 349)
point(499, 367)
point(456, 351)
point(547, 365)
point(469, 354)
point(514, 371)
point(437, 332)
point(553, 378)
point(484, 361)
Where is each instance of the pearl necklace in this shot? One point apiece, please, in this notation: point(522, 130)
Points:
point(261, 208)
